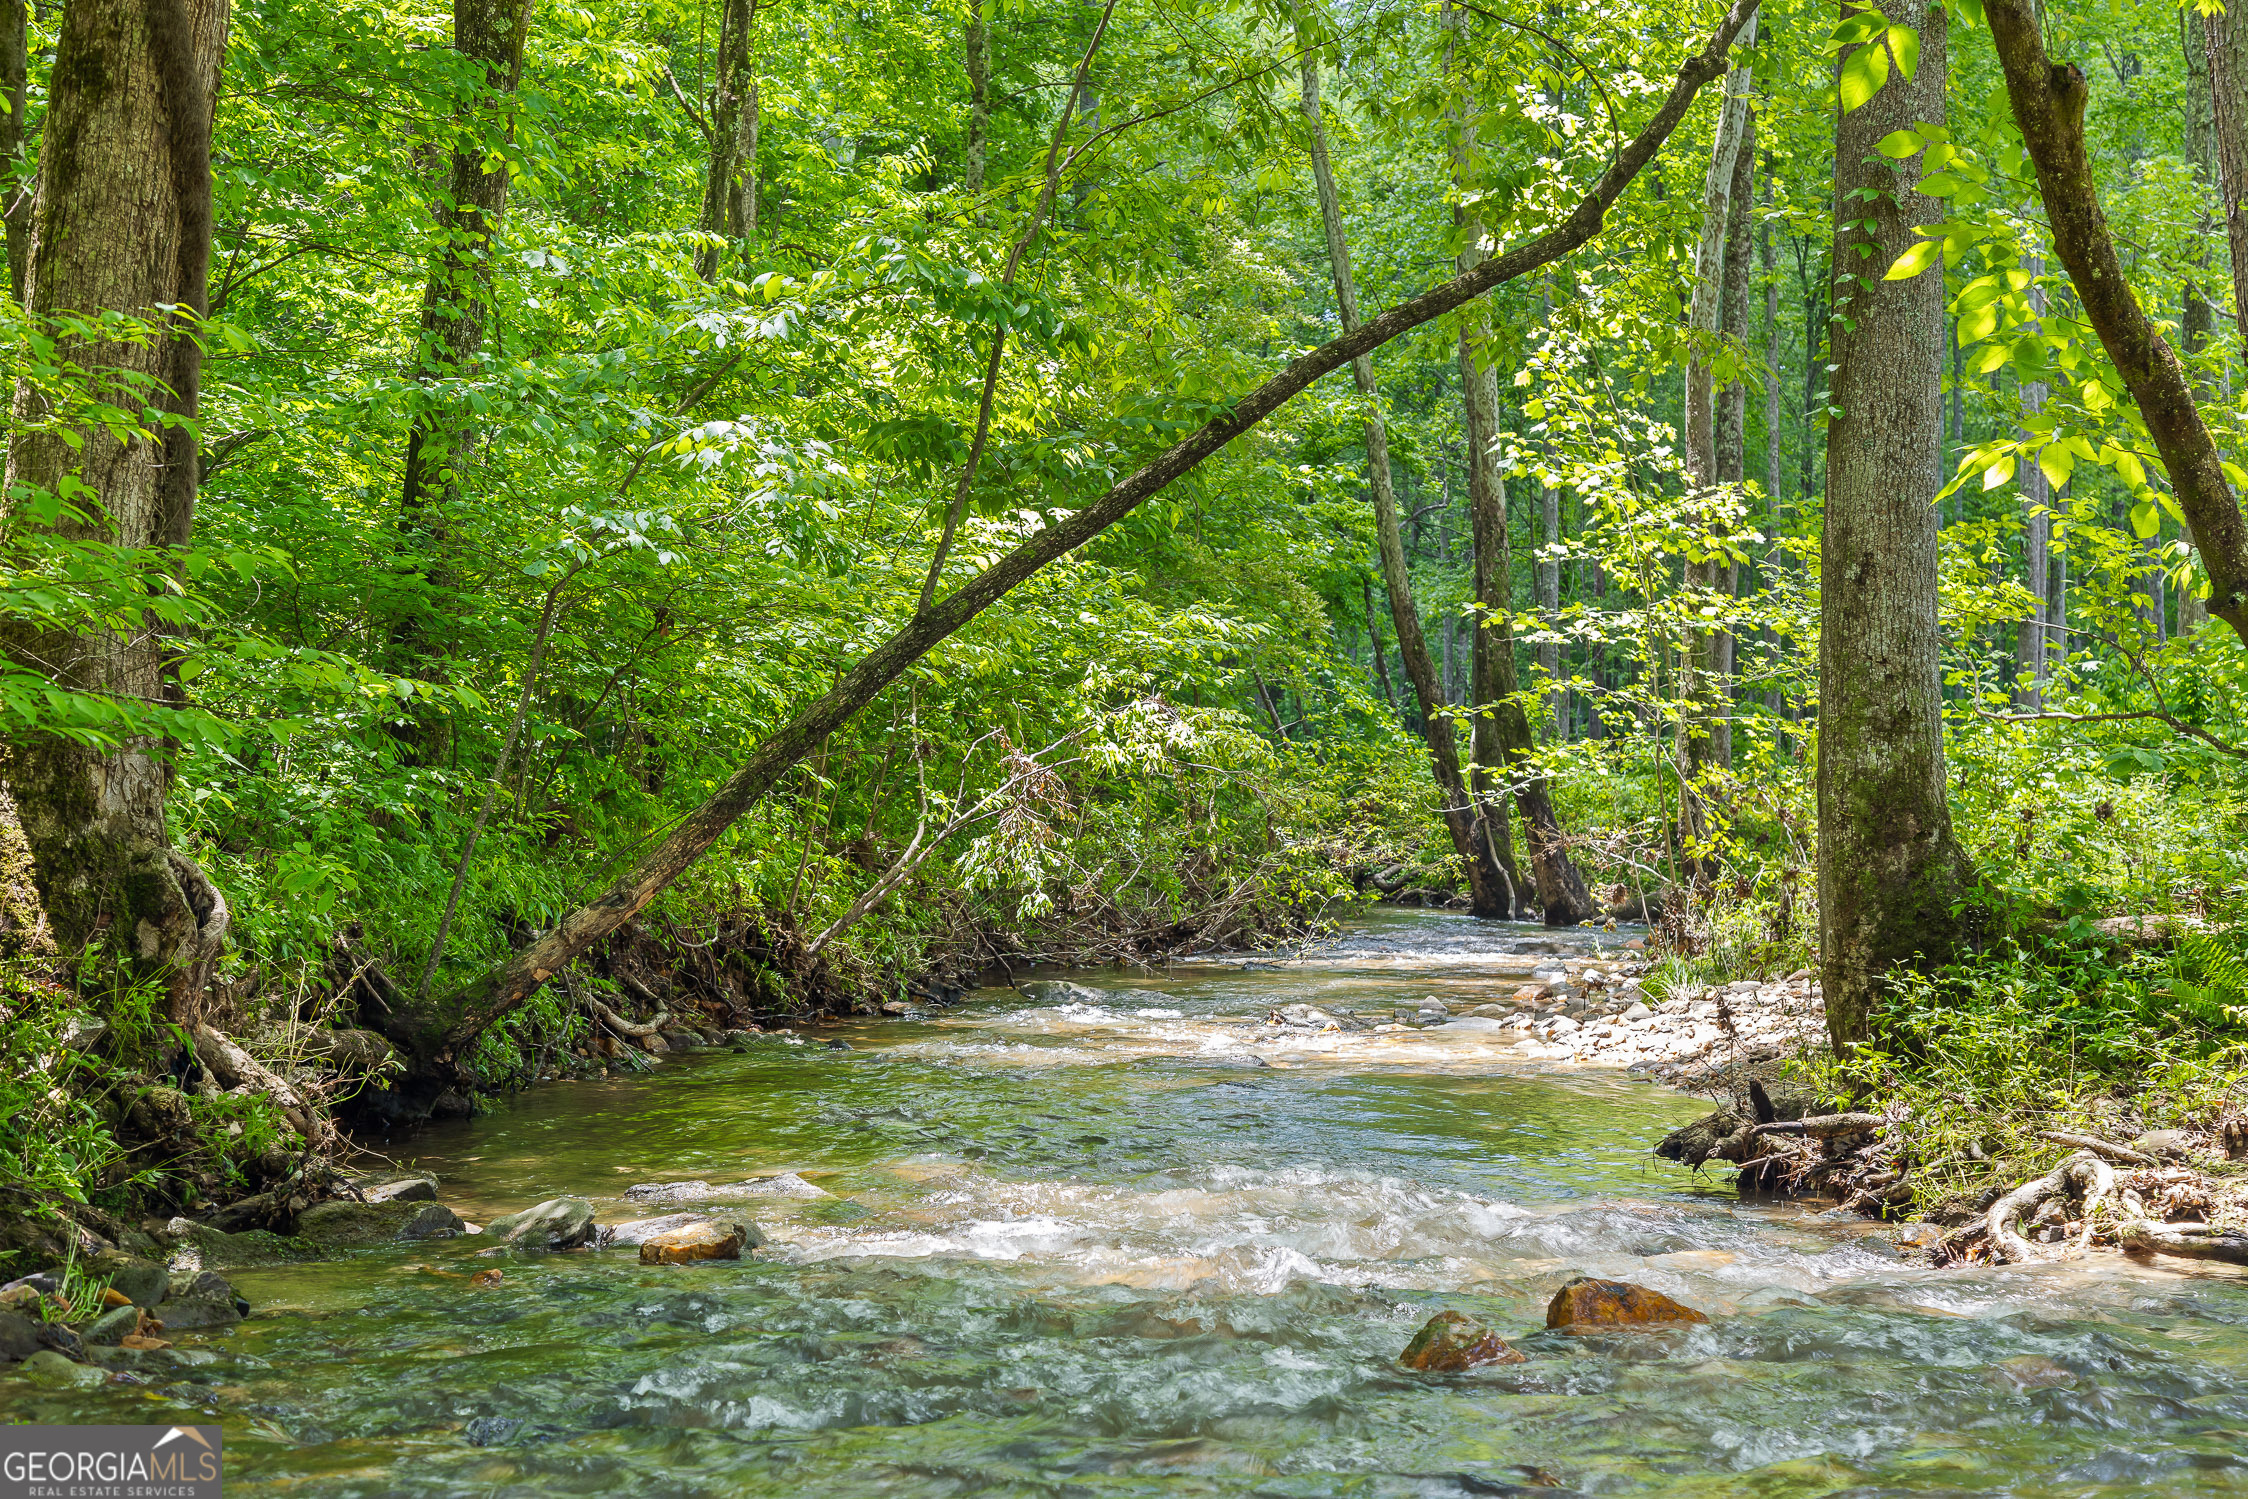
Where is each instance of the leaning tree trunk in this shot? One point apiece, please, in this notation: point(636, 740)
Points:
point(729, 206)
point(456, 304)
point(1491, 886)
point(123, 223)
point(1891, 875)
point(2048, 102)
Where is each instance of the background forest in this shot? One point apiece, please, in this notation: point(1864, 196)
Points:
point(584, 390)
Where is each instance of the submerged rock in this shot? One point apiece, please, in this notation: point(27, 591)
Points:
point(557, 1223)
point(19, 1337)
point(701, 1240)
point(142, 1282)
point(1061, 991)
point(1450, 1342)
point(787, 1184)
point(355, 1225)
point(1586, 1302)
point(51, 1371)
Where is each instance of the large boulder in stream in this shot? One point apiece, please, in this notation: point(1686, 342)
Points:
point(703, 1239)
point(1452, 1342)
point(1589, 1303)
point(557, 1223)
point(360, 1225)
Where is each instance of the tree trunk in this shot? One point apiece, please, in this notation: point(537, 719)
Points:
point(2032, 645)
point(2199, 321)
point(1700, 663)
point(1731, 420)
point(977, 44)
point(435, 1033)
point(729, 206)
point(15, 133)
point(123, 223)
point(1890, 872)
point(1768, 263)
point(1491, 886)
point(2226, 42)
point(456, 303)
point(2048, 102)
point(1374, 639)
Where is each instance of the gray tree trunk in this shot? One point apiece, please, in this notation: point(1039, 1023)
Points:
point(123, 223)
point(1890, 871)
point(2199, 322)
point(977, 44)
point(456, 304)
point(1731, 422)
point(1491, 889)
point(2032, 642)
point(729, 206)
point(2226, 42)
point(15, 134)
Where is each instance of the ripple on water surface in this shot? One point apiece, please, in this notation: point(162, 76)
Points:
point(1093, 1253)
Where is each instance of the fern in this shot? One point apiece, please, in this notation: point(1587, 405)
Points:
point(2212, 985)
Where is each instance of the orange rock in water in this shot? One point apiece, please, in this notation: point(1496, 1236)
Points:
point(141, 1342)
point(111, 1296)
point(1450, 1342)
point(1585, 1302)
point(696, 1241)
point(484, 1280)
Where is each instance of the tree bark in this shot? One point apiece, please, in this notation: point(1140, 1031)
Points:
point(456, 304)
point(15, 132)
point(2225, 38)
point(977, 44)
point(434, 1034)
point(1491, 883)
point(2032, 645)
point(2199, 322)
point(1374, 641)
point(1700, 662)
point(123, 223)
point(2048, 101)
point(729, 205)
point(1731, 421)
point(1890, 871)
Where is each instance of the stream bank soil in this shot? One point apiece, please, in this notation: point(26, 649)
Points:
point(1154, 1243)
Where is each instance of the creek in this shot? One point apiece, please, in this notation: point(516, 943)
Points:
point(1114, 1249)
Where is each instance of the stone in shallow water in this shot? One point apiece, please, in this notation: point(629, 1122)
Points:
point(51, 1371)
point(787, 1184)
point(1585, 1302)
point(1450, 1342)
point(557, 1223)
point(491, 1431)
point(684, 1245)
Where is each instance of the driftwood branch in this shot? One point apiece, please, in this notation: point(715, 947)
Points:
point(2122, 1155)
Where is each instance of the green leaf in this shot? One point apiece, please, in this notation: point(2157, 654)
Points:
point(1904, 45)
point(2057, 462)
point(1915, 260)
point(1999, 472)
point(2145, 520)
point(1863, 73)
point(1898, 144)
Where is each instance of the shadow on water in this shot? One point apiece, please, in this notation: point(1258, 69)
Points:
point(1124, 1246)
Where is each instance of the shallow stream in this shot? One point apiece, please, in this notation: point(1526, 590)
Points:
point(1114, 1249)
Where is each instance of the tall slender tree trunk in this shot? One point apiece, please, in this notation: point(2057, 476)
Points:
point(15, 134)
point(1502, 740)
point(1891, 874)
point(976, 42)
point(2032, 641)
point(1701, 664)
point(2199, 322)
point(2226, 43)
point(1731, 422)
point(456, 306)
point(123, 223)
point(1491, 889)
point(729, 206)
point(1374, 639)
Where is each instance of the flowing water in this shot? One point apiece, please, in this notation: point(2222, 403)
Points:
point(1126, 1248)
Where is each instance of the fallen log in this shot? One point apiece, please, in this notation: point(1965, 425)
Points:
point(1825, 1126)
point(2121, 1155)
point(2196, 1241)
point(624, 1027)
